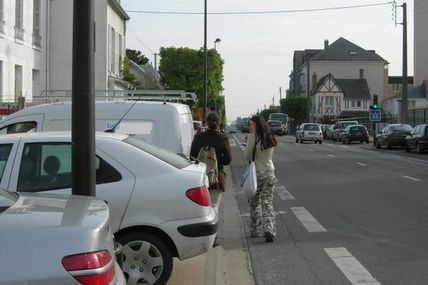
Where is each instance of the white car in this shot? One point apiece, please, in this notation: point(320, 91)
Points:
point(159, 202)
point(309, 132)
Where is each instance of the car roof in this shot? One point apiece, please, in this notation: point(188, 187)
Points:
point(62, 135)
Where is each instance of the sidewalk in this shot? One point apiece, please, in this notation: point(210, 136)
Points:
point(227, 263)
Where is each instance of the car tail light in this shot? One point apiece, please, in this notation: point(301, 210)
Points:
point(93, 268)
point(199, 195)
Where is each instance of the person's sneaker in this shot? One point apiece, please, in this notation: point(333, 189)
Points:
point(268, 237)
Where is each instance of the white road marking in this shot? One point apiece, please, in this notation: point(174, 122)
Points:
point(351, 267)
point(311, 149)
point(331, 155)
point(283, 193)
point(232, 142)
point(308, 221)
point(412, 178)
point(361, 164)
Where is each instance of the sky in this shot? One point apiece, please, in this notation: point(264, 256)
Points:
point(258, 49)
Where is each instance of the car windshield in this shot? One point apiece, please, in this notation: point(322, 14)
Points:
point(163, 154)
point(274, 124)
point(7, 199)
point(405, 128)
point(311, 128)
point(344, 125)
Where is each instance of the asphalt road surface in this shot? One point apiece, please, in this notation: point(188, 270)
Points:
point(345, 214)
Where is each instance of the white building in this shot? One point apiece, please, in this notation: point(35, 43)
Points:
point(421, 41)
point(110, 31)
point(23, 44)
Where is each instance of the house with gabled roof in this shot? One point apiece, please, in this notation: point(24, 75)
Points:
point(332, 98)
point(343, 60)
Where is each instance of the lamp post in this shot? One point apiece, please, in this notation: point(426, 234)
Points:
point(206, 62)
point(217, 40)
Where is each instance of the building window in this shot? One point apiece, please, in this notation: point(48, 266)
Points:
point(396, 87)
point(1, 80)
point(120, 50)
point(352, 103)
point(112, 50)
point(359, 104)
point(36, 83)
point(2, 22)
point(412, 104)
point(37, 39)
point(19, 25)
point(18, 82)
point(329, 101)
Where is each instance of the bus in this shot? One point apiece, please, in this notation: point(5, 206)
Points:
point(281, 117)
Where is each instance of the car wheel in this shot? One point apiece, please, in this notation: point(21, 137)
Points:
point(406, 148)
point(297, 140)
point(320, 142)
point(418, 149)
point(146, 259)
point(377, 144)
point(388, 145)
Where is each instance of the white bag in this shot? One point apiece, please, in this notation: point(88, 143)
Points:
point(249, 180)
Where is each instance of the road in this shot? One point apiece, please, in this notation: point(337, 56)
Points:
point(345, 214)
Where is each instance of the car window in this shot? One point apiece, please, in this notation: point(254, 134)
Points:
point(4, 156)
point(274, 124)
point(311, 128)
point(47, 166)
point(406, 128)
point(426, 131)
point(7, 199)
point(163, 154)
point(22, 127)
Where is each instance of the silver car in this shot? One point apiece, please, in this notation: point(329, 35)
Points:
point(51, 240)
point(309, 132)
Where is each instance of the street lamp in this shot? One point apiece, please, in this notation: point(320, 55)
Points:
point(205, 62)
point(217, 40)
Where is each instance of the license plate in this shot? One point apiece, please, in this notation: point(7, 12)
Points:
point(312, 133)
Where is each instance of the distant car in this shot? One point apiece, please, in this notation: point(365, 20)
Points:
point(158, 199)
point(329, 132)
point(392, 135)
point(339, 127)
point(355, 133)
point(276, 127)
point(324, 128)
point(232, 130)
point(417, 139)
point(309, 132)
point(56, 239)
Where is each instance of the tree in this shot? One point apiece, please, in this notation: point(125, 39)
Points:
point(183, 69)
point(136, 56)
point(266, 112)
point(295, 107)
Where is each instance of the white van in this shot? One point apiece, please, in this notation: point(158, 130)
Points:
point(168, 125)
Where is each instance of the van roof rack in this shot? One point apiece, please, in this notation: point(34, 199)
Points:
point(51, 96)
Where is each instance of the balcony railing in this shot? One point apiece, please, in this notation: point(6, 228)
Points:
point(19, 33)
point(37, 41)
point(2, 23)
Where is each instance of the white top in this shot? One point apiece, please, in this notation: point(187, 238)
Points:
point(263, 158)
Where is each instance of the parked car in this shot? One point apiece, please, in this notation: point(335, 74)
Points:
point(168, 125)
point(355, 133)
point(392, 135)
point(56, 239)
point(158, 199)
point(324, 128)
point(276, 127)
point(232, 130)
point(309, 132)
point(339, 127)
point(417, 139)
point(329, 132)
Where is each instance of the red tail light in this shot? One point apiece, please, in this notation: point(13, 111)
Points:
point(199, 195)
point(93, 268)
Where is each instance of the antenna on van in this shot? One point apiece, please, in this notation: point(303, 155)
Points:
point(112, 130)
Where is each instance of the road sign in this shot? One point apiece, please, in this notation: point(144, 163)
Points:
point(375, 115)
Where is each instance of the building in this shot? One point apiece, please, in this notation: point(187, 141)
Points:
point(23, 46)
point(343, 59)
point(110, 30)
point(420, 41)
point(395, 86)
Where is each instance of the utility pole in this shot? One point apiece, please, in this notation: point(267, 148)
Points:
point(206, 63)
point(280, 94)
point(404, 115)
point(308, 88)
point(156, 67)
point(83, 100)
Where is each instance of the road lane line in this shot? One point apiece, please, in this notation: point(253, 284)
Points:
point(331, 155)
point(308, 221)
point(412, 178)
point(351, 267)
point(283, 193)
point(361, 164)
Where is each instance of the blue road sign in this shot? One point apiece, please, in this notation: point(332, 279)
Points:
point(375, 115)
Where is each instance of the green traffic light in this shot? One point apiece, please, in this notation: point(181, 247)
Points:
point(375, 106)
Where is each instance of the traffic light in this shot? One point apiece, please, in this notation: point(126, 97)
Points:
point(375, 104)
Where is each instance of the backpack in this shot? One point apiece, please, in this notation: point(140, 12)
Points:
point(208, 156)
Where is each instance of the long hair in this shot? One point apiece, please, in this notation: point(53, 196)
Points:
point(264, 133)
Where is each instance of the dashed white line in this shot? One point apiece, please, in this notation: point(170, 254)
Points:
point(331, 155)
point(351, 267)
point(412, 178)
point(361, 164)
point(283, 193)
point(308, 221)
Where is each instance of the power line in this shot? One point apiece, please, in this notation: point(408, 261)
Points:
point(261, 12)
point(135, 36)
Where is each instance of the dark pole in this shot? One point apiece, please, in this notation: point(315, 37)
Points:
point(83, 104)
point(308, 88)
point(404, 116)
point(206, 63)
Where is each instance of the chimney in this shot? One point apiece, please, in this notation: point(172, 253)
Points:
point(325, 44)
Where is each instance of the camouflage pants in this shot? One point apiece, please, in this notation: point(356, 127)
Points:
point(261, 205)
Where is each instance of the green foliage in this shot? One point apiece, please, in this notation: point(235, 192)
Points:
point(295, 107)
point(126, 75)
point(183, 69)
point(266, 112)
point(136, 56)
